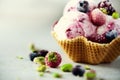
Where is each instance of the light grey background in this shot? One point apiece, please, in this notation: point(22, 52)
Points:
point(29, 21)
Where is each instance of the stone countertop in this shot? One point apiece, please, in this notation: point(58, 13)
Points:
point(28, 21)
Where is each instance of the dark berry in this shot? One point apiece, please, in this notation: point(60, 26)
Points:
point(43, 52)
point(83, 6)
point(33, 55)
point(107, 5)
point(110, 35)
point(78, 71)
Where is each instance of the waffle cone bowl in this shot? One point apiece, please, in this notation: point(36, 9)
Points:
point(81, 50)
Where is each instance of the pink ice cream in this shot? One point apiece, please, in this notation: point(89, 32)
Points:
point(74, 24)
point(73, 4)
point(95, 25)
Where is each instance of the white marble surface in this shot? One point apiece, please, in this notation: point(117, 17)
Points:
point(28, 21)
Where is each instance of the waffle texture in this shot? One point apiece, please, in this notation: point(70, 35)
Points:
point(81, 50)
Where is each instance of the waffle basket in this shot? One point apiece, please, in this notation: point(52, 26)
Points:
point(81, 50)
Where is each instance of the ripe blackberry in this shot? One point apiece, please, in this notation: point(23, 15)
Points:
point(106, 5)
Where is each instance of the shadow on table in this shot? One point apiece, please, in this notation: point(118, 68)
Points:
point(114, 64)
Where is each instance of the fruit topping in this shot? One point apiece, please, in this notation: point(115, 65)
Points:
point(97, 17)
point(78, 71)
point(83, 6)
point(110, 35)
point(53, 59)
point(106, 5)
point(115, 15)
point(103, 10)
point(66, 67)
point(98, 38)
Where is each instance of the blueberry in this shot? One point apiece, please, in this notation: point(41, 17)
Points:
point(33, 55)
point(110, 35)
point(78, 71)
point(43, 52)
point(83, 6)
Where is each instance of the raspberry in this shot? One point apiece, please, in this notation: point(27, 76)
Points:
point(98, 17)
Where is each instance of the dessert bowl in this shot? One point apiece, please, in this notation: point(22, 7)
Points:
point(81, 49)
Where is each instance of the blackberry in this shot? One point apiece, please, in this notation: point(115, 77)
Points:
point(107, 5)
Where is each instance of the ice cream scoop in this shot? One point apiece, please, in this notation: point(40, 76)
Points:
point(79, 5)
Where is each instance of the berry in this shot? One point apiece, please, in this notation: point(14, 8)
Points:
point(106, 5)
point(33, 55)
point(43, 52)
point(110, 35)
point(66, 67)
point(83, 6)
point(115, 15)
point(39, 60)
point(78, 71)
point(97, 17)
point(98, 38)
point(53, 59)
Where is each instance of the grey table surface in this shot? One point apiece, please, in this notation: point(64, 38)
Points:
point(28, 21)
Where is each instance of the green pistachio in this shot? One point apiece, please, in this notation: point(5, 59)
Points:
point(66, 67)
point(87, 67)
point(32, 47)
point(41, 68)
point(103, 10)
point(57, 75)
point(41, 73)
point(39, 60)
point(90, 74)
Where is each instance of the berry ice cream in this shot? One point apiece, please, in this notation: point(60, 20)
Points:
point(98, 22)
point(79, 5)
point(74, 24)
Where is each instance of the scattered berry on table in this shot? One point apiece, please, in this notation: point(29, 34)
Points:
point(32, 56)
point(83, 6)
point(43, 52)
point(53, 59)
point(78, 71)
